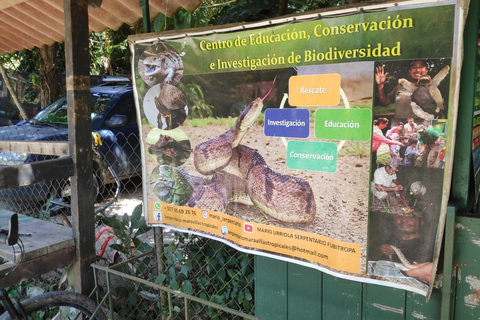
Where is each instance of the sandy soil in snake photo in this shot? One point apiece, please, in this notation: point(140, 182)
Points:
point(341, 197)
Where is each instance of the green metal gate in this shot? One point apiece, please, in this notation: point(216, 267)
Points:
point(288, 291)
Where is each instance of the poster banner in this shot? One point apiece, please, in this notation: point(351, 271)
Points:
point(476, 133)
point(321, 139)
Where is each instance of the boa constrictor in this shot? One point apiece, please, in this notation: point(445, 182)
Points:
point(240, 174)
point(405, 265)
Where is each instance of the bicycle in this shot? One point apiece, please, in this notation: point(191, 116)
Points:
point(56, 304)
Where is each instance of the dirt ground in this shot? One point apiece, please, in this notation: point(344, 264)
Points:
point(341, 197)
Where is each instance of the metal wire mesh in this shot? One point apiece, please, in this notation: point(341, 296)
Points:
point(204, 277)
point(207, 279)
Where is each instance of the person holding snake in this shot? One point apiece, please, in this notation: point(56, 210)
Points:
point(408, 246)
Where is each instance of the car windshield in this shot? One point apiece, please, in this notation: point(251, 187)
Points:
point(56, 113)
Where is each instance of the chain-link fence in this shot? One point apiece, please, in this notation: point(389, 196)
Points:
point(142, 274)
point(194, 278)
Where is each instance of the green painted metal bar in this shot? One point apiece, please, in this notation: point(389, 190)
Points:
point(383, 302)
point(342, 299)
point(170, 303)
point(462, 165)
point(146, 16)
point(448, 264)
point(417, 307)
point(271, 287)
point(466, 258)
point(454, 291)
point(304, 292)
point(100, 302)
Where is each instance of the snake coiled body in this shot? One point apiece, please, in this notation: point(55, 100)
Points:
point(208, 193)
point(283, 197)
point(247, 177)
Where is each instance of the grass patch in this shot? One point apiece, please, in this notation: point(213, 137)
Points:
point(358, 148)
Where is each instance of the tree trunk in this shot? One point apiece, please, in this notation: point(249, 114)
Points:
point(12, 92)
point(50, 89)
point(283, 7)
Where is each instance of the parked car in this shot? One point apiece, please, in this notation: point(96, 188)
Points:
point(115, 138)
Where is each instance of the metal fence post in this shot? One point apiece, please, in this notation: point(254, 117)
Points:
point(159, 250)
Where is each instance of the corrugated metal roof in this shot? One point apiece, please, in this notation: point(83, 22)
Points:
point(25, 24)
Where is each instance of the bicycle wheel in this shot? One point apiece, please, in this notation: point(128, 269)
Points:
point(61, 305)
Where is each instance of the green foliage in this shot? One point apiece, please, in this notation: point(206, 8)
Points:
point(128, 230)
point(210, 270)
point(255, 10)
point(60, 58)
point(129, 245)
point(198, 266)
point(334, 3)
point(247, 10)
point(208, 11)
point(23, 290)
point(217, 12)
point(27, 61)
point(161, 23)
point(30, 94)
point(181, 20)
point(55, 118)
point(356, 148)
point(19, 290)
point(45, 215)
point(109, 51)
point(197, 105)
point(23, 61)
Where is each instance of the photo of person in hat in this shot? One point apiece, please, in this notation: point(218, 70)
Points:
point(416, 85)
point(429, 142)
